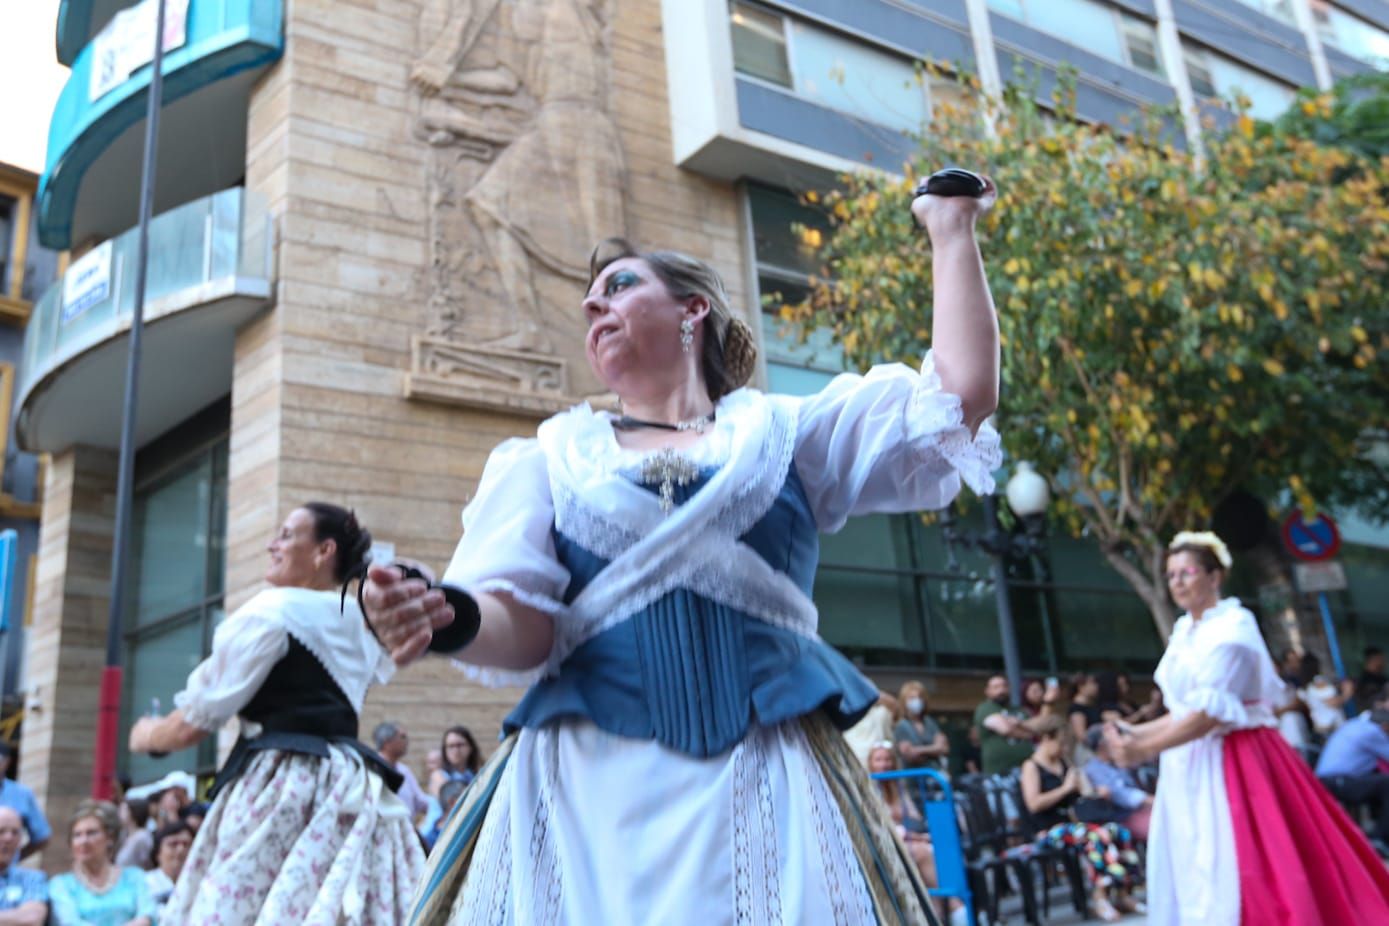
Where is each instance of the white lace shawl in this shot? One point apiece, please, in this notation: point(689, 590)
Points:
point(889, 441)
point(246, 646)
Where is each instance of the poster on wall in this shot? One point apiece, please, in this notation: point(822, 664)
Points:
point(126, 44)
point(87, 282)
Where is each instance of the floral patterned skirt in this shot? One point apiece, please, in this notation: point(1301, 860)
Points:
point(302, 840)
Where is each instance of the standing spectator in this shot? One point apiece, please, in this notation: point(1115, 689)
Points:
point(1326, 702)
point(921, 743)
point(169, 803)
point(1349, 767)
point(1084, 712)
point(194, 815)
point(1372, 678)
point(392, 740)
point(1005, 733)
point(136, 841)
point(97, 892)
point(1151, 709)
point(462, 759)
point(433, 761)
point(23, 891)
point(19, 798)
point(171, 845)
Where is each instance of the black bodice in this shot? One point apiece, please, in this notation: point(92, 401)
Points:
point(299, 696)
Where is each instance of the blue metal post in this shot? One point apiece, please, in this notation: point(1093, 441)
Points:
point(1331, 635)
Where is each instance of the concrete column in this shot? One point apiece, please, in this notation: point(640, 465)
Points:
point(1302, 12)
point(67, 643)
point(1170, 42)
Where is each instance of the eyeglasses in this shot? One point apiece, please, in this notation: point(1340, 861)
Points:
point(1186, 572)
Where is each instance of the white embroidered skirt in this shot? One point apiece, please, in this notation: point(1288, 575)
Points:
point(301, 840)
point(575, 825)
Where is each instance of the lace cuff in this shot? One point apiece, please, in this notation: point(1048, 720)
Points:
point(935, 425)
point(493, 677)
point(1218, 705)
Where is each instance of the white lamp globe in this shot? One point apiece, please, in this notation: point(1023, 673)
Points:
point(1028, 493)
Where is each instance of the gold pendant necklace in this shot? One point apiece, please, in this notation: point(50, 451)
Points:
point(670, 469)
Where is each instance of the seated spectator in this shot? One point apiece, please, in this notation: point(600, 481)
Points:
point(98, 892)
point(873, 728)
point(461, 759)
point(921, 743)
point(448, 797)
point(23, 891)
point(20, 799)
point(1349, 767)
point(136, 840)
point(1050, 789)
point(171, 845)
point(911, 824)
point(1326, 702)
point(1133, 807)
point(194, 815)
point(1292, 713)
point(169, 803)
point(1005, 733)
point(1084, 711)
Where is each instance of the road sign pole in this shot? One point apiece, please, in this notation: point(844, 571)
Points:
point(1331, 641)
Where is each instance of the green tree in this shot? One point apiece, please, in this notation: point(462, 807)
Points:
point(1172, 330)
point(1355, 116)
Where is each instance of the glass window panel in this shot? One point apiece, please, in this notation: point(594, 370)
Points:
point(857, 79)
point(158, 668)
point(868, 610)
point(1367, 572)
point(1084, 23)
point(796, 380)
point(1140, 38)
point(775, 213)
point(759, 44)
point(1268, 98)
point(171, 542)
point(1009, 7)
point(40, 263)
point(964, 620)
point(7, 214)
point(217, 526)
point(1199, 73)
point(1357, 38)
point(1098, 627)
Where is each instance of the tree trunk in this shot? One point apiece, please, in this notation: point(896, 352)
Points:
point(1151, 586)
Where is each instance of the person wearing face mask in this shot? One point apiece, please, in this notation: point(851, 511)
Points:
point(1241, 831)
point(920, 741)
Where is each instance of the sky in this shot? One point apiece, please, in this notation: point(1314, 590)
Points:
point(30, 80)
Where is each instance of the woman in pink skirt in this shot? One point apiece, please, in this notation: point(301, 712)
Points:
point(1242, 832)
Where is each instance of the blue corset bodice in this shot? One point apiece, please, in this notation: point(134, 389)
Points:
point(692, 673)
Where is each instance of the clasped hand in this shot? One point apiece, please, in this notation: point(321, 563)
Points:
point(403, 612)
point(945, 216)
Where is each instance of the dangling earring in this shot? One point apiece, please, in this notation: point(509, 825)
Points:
point(686, 335)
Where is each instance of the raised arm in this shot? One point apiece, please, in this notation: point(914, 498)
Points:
point(964, 330)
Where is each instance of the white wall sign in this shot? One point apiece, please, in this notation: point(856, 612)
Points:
point(87, 282)
point(126, 44)
point(1325, 576)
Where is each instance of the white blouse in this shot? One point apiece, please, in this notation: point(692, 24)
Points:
point(888, 441)
point(247, 644)
point(1220, 665)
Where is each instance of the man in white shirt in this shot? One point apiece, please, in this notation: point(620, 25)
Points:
point(392, 740)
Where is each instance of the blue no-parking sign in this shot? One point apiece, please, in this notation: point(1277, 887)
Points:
point(1311, 541)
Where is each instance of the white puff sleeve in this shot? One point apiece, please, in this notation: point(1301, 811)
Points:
point(508, 544)
point(890, 441)
point(245, 647)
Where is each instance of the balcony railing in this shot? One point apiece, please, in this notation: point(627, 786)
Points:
point(213, 250)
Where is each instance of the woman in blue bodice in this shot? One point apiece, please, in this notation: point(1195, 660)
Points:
point(676, 758)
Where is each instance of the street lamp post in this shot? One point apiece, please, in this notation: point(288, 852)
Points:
point(1028, 496)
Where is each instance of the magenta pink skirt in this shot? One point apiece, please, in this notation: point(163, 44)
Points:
point(1302, 861)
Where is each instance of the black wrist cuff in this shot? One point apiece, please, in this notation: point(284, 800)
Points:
point(466, 621)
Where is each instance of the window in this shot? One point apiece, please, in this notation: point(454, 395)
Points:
point(1278, 9)
point(1216, 76)
point(176, 591)
point(1094, 26)
point(759, 44)
point(1351, 34)
point(828, 68)
point(40, 264)
point(8, 214)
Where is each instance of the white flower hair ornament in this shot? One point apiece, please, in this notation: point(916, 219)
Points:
point(1204, 539)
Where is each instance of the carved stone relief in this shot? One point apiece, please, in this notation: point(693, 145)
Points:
point(526, 173)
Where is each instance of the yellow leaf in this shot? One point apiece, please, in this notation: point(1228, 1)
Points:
point(1273, 367)
point(1011, 267)
point(1234, 373)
